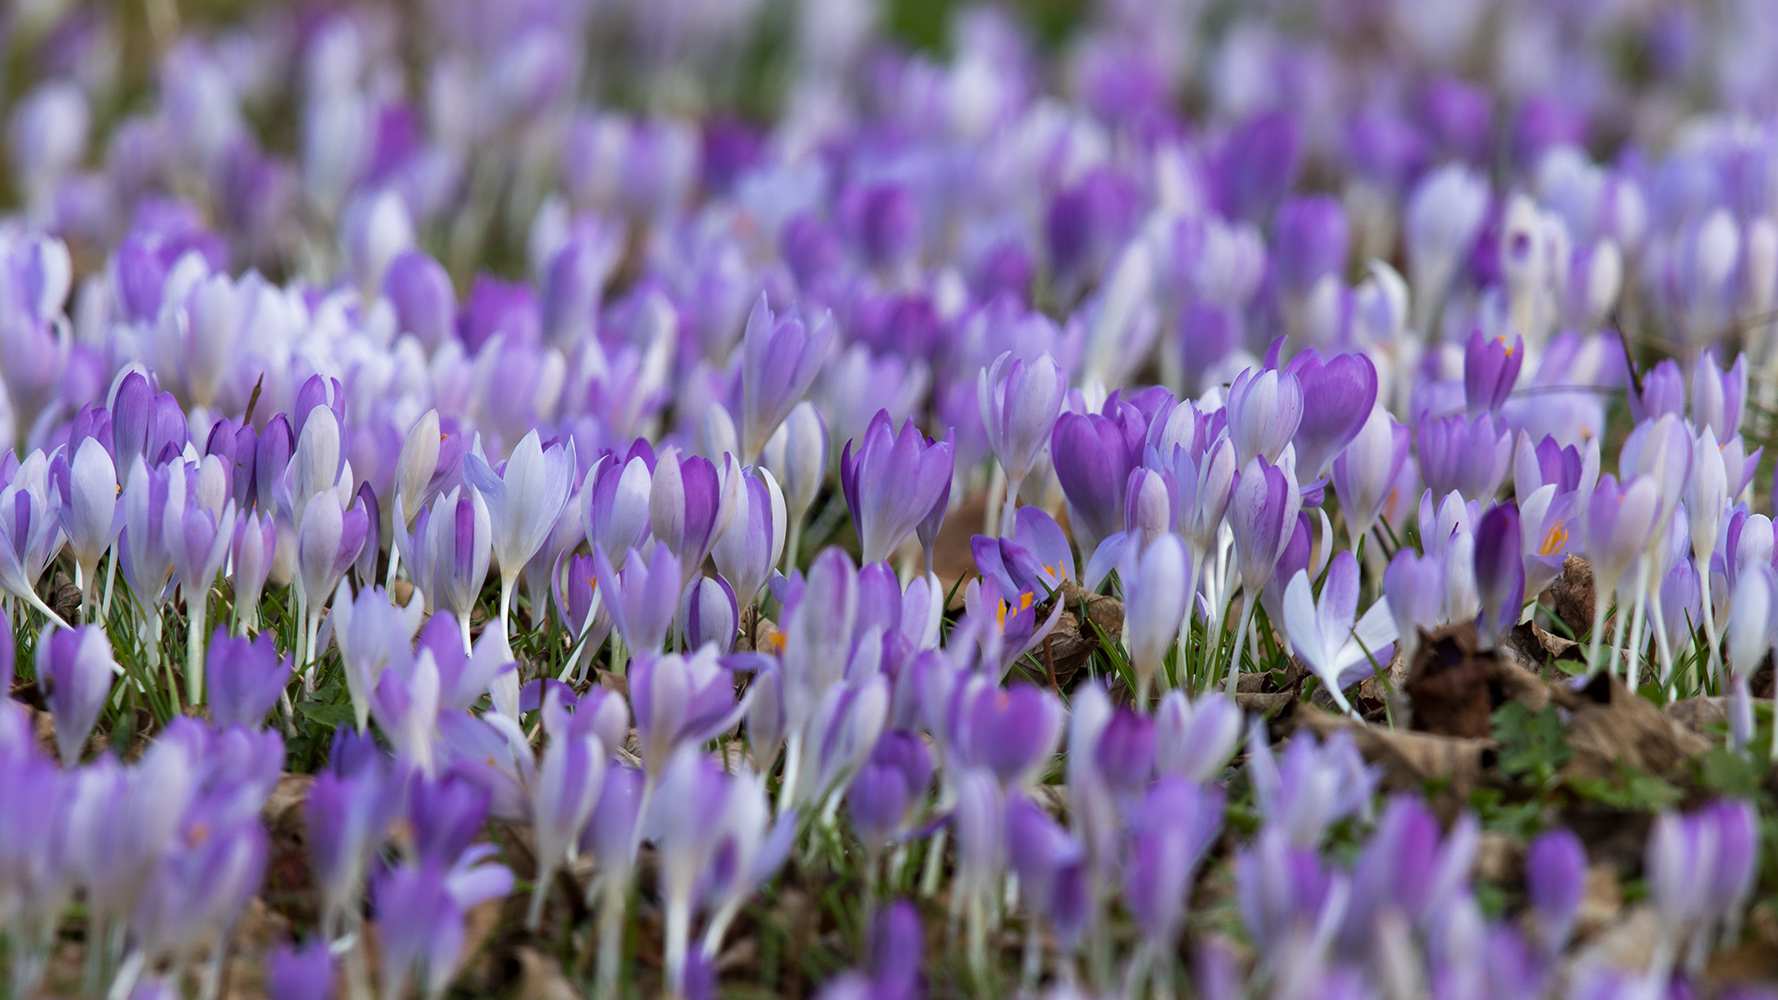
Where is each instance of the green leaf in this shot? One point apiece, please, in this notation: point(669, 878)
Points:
point(1532, 745)
point(1728, 773)
point(327, 715)
point(1631, 789)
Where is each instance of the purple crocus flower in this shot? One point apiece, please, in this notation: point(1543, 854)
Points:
point(1310, 234)
point(747, 552)
point(300, 973)
point(448, 551)
point(374, 634)
point(1468, 455)
point(1663, 393)
point(420, 910)
point(77, 666)
point(1366, 472)
point(1344, 392)
point(1620, 520)
point(1327, 632)
point(643, 597)
point(1556, 880)
point(1499, 569)
point(254, 547)
point(1125, 754)
point(569, 774)
point(1262, 516)
point(1020, 402)
point(1171, 832)
point(888, 791)
point(1718, 397)
point(780, 357)
point(1052, 869)
point(1414, 589)
point(30, 532)
point(680, 701)
point(420, 290)
point(91, 513)
point(1195, 738)
point(1011, 732)
point(1490, 370)
point(690, 505)
point(327, 543)
point(891, 482)
point(245, 678)
point(1033, 557)
point(615, 498)
point(1094, 454)
point(1264, 409)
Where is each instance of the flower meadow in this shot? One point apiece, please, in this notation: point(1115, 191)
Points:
point(855, 499)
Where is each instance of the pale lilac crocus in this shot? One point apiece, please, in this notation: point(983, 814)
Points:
point(690, 505)
point(1338, 395)
point(1366, 472)
point(614, 502)
point(1262, 515)
point(374, 634)
point(524, 500)
point(709, 613)
point(747, 552)
point(30, 532)
point(1463, 454)
point(244, 678)
point(1020, 401)
point(78, 667)
point(797, 455)
point(564, 791)
point(1157, 594)
point(252, 552)
point(780, 357)
point(449, 549)
point(199, 542)
point(91, 513)
point(327, 544)
point(1620, 519)
point(1490, 370)
point(1195, 737)
point(1264, 410)
point(1327, 632)
point(643, 596)
point(1499, 571)
point(891, 481)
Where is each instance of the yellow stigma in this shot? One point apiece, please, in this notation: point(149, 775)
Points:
point(1503, 343)
point(777, 641)
point(1000, 613)
point(1554, 539)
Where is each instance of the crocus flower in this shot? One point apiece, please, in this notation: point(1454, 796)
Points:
point(30, 533)
point(1093, 455)
point(614, 502)
point(1264, 410)
point(1157, 589)
point(643, 597)
point(888, 791)
point(690, 505)
point(300, 973)
point(1262, 517)
point(524, 500)
point(1314, 785)
point(244, 678)
point(327, 543)
point(680, 701)
point(1327, 632)
point(374, 634)
point(1195, 738)
point(1718, 397)
point(1620, 520)
point(421, 910)
point(255, 546)
point(1338, 396)
point(1020, 402)
point(780, 357)
point(709, 614)
point(91, 514)
point(1467, 455)
point(797, 456)
point(199, 542)
point(565, 791)
point(449, 549)
point(1171, 832)
point(1490, 370)
point(1499, 569)
point(747, 552)
point(891, 481)
point(1011, 732)
point(1366, 472)
point(1033, 556)
point(78, 667)
point(1555, 879)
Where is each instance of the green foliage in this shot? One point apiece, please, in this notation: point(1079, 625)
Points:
point(1630, 789)
point(1531, 744)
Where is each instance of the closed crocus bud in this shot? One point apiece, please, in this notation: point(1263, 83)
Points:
point(1467, 455)
point(77, 666)
point(614, 502)
point(780, 358)
point(524, 501)
point(254, 545)
point(1620, 519)
point(1126, 751)
point(569, 775)
point(1490, 370)
point(750, 548)
point(1344, 390)
point(244, 679)
point(690, 506)
point(708, 614)
point(1414, 588)
point(891, 481)
point(1499, 570)
point(1157, 589)
point(889, 789)
point(1172, 830)
point(1020, 401)
point(91, 513)
point(1750, 620)
point(1148, 506)
point(1094, 455)
point(1264, 409)
point(1366, 471)
point(420, 289)
point(797, 455)
point(1262, 515)
point(1555, 879)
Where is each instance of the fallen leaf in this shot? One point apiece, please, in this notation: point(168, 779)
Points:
point(1573, 595)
